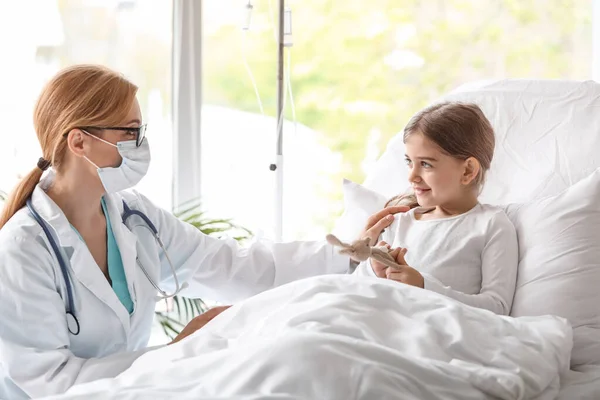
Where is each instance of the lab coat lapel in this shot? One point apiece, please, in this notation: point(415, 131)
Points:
point(89, 275)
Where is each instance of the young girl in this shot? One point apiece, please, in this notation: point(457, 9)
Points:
point(448, 242)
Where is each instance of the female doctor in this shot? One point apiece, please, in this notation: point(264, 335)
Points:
point(82, 260)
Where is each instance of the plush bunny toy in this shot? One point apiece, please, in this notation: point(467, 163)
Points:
point(361, 250)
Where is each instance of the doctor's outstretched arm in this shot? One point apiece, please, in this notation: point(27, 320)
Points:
point(224, 271)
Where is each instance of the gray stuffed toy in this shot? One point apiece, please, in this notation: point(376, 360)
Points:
point(361, 250)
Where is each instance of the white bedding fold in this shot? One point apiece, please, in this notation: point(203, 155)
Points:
point(340, 337)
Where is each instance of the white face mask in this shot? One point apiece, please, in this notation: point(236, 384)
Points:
point(133, 168)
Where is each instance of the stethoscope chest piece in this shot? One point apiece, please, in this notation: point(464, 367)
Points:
point(73, 324)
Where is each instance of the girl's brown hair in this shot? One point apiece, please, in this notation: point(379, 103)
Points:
point(461, 130)
point(81, 95)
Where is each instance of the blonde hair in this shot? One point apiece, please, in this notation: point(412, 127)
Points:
point(461, 130)
point(81, 95)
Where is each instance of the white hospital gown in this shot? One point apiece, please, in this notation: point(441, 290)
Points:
point(471, 257)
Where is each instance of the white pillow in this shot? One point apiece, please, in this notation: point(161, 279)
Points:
point(359, 204)
point(559, 256)
point(559, 262)
point(546, 139)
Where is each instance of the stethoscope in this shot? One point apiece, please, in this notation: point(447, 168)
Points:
point(72, 321)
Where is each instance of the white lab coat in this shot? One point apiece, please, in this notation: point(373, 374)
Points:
point(38, 356)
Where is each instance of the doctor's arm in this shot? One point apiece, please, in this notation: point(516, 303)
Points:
point(222, 270)
point(34, 340)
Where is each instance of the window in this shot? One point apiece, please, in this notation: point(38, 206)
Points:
point(358, 71)
point(133, 37)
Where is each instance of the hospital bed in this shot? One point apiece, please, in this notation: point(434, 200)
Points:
point(547, 139)
point(545, 173)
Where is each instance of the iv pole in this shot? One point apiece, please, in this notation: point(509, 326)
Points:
point(277, 167)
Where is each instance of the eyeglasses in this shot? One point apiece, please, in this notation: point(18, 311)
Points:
point(139, 132)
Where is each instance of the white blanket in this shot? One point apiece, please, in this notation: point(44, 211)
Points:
point(340, 337)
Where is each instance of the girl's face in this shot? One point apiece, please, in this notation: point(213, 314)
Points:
point(438, 179)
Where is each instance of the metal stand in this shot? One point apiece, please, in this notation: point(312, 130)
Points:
point(278, 166)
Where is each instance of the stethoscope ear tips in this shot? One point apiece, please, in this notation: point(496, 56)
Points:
point(185, 285)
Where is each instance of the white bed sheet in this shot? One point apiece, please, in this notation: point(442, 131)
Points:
point(349, 337)
point(583, 384)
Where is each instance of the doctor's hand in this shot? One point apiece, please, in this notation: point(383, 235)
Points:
point(379, 221)
point(199, 322)
point(405, 274)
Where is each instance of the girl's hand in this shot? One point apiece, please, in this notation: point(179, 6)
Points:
point(405, 274)
point(379, 268)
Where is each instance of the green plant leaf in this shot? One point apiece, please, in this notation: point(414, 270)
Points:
point(166, 332)
point(176, 301)
point(200, 306)
point(171, 321)
point(169, 330)
point(186, 303)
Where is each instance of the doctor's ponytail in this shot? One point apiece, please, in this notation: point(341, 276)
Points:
point(19, 195)
point(81, 95)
